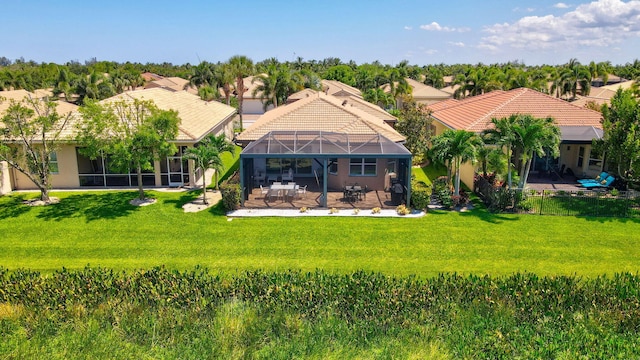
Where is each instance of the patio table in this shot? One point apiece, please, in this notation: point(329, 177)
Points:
point(282, 188)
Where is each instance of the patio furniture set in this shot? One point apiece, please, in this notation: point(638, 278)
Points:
point(354, 192)
point(604, 180)
point(284, 191)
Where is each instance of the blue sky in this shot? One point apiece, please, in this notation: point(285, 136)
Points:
point(422, 32)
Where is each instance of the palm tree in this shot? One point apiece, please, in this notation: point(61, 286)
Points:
point(456, 147)
point(535, 136)
point(503, 135)
point(201, 75)
point(207, 156)
point(241, 66)
point(575, 75)
point(224, 78)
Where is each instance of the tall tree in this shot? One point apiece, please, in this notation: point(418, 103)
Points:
point(132, 133)
point(456, 147)
point(241, 67)
point(414, 122)
point(503, 135)
point(539, 136)
point(621, 141)
point(29, 136)
point(206, 155)
point(225, 78)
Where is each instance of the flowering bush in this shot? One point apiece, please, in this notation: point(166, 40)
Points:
point(333, 211)
point(375, 210)
point(304, 209)
point(403, 210)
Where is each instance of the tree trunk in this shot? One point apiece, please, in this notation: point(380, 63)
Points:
point(139, 177)
point(456, 190)
point(215, 173)
point(509, 181)
point(204, 186)
point(525, 173)
point(44, 194)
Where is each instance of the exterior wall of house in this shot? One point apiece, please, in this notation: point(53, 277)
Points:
point(66, 178)
point(467, 174)
point(5, 178)
point(342, 178)
point(578, 157)
point(437, 127)
point(253, 106)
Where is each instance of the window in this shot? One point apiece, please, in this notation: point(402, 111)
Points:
point(362, 167)
point(580, 156)
point(53, 163)
point(595, 160)
point(333, 166)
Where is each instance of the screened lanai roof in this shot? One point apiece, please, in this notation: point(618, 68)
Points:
point(324, 143)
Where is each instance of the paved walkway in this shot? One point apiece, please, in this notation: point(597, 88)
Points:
point(318, 212)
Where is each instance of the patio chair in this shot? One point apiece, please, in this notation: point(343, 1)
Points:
point(263, 191)
point(602, 184)
point(302, 191)
point(603, 176)
point(288, 176)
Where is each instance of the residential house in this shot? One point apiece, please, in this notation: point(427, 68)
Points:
point(421, 93)
point(198, 119)
point(327, 138)
point(172, 83)
point(578, 125)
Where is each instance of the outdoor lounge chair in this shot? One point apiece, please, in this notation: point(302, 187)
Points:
point(603, 175)
point(602, 184)
point(288, 176)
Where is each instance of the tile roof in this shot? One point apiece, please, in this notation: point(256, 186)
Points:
point(475, 113)
point(422, 91)
point(356, 101)
point(624, 85)
point(337, 88)
point(198, 117)
point(171, 83)
point(62, 107)
point(320, 112)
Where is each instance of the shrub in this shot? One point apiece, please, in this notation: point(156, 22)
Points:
point(615, 192)
point(375, 210)
point(304, 209)
point(420, 195)
point(230, 196)
point(333, 211)
point(356, 211)
point(403, 210)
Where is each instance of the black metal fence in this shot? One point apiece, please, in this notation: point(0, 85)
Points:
point(581, 203)
point(602, 202)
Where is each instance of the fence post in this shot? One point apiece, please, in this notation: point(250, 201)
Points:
point(541, 202)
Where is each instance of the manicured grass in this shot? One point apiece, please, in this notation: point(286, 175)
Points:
point(427, 174)
point(102, 229)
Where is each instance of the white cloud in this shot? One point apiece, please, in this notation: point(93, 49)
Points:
point(561, 6)
point(431, 51)
point(408, 28)
point(599, 23)
point(434, 26)
point(458, 44)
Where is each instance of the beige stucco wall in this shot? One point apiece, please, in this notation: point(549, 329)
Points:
point(569, 157)
point(5, 178)
point(439, 127)
point(342, 178)
point(66, 178)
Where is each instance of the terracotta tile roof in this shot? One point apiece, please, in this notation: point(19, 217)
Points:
point(198, 117)
point(320, 112)
point(475, 113)
point(440, 105)
point(336, 88)
point(301, 95)
point(598, 95)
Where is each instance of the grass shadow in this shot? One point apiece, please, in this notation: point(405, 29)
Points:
point(12, 206)
point(488, 216)
point(184, 198)
point(91, 206)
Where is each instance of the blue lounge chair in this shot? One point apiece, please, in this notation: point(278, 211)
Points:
point(603, 175)
point(603, 184)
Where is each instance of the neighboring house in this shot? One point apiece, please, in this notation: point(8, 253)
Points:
point(611, 80)
point(602, 95)
point(325, 137)
point(252, 105)
point(578, 125)
point(339, 89)
point(8, 177)
point(421, 93)
point(198, 119)
point(173, 83)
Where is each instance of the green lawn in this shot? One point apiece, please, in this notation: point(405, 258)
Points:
point(102, 229)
